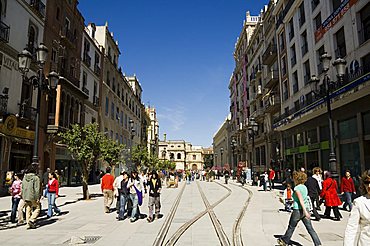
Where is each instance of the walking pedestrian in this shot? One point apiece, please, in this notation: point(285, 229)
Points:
point(155, 187)
point(135, 184)
point(314, 193)
point(124, 195)
point(107, 189)
point(52, 194)
point(117, 187)
point(300, 211)
point(31, 193)
point(359, 220)
point(15, 191)
point(347, 188)
point(288, 198)
point(45, 180)
point(271, 177)
point(317, 174)
point(329, 194)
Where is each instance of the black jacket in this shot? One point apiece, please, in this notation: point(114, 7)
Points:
point(312, 187)
point(154, 189)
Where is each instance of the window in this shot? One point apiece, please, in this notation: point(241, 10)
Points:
point(293, 59)
point(288, 142)
point(84, 79)
point(291, 29)
point(194, 157)
point(364, 33)
point(67, 24)
point(348, 128)
point(304, 47)
point(324, 133)
point(112, 111)
point(117, 114)
point(32, 39)
point(111, 134)
point(319, 53)
point(297, 105)
point(121, 118)
point(285, 90)
point(295, 82)
point(314, 4)
point(311, 136)
point(341, 51)
point(178, 156)
point(95, 88)
point(118, 91)
point(283, 66)
point(366, 123)
point(336, 4)
point(317, 21)
point(298, 139)
point(282, 41)
point(302, 17)
point(106, 106)
point(114, 84)
point(108, 79)
point(58, 13)
point(307, 72)
point(53, 55)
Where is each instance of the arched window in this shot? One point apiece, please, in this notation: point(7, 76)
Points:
point(178, 156)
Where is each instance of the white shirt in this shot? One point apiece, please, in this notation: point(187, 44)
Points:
point(319, 179)
point(359, 221)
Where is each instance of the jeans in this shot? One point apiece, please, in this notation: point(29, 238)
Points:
point(122, 206)
point(134, 200)
point(348, 197)
point(295, 217)
point(15, 202)
point(51, 204)
point(272, 184)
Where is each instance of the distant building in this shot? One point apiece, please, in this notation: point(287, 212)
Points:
point(221, 145)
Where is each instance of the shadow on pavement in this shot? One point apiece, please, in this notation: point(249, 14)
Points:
point(291, 241)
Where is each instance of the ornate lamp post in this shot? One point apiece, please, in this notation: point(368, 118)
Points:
point(215, 160)
point(234, 144)
point(222, 152)
point(324, 91)
point(40, 83)
point(252, 131)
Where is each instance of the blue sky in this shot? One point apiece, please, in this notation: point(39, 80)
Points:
point(181, 52)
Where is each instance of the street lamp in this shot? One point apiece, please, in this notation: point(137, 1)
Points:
point(222, 152)
point(252, 131)
point(40, 83)
point(324, 91)
point(215, 159)
point(234, 144)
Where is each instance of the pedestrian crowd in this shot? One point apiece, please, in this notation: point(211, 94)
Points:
point(26, 192)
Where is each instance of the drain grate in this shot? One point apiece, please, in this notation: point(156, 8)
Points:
point(82, 240)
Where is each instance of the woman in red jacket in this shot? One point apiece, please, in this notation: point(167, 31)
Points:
point(329, 193)
point(52, 194)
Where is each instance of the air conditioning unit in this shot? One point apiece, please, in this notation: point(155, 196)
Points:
point(259, 90)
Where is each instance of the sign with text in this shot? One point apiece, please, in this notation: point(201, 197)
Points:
point(334, 18)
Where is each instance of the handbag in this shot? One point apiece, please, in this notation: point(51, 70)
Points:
point(308, 204)
point(139, 196)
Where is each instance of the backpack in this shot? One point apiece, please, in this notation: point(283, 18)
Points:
point(124, 191)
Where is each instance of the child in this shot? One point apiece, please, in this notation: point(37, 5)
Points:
point(288, 198)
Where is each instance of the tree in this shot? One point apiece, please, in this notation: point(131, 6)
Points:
point(112, 152)
point(208, 161)
point(140, 156)
point(84, 143)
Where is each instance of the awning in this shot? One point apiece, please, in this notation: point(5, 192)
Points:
point(22, 140)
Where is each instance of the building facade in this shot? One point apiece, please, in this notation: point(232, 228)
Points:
point(221, 145)
point(306, 30)
point(152, 131)
point(21, 26)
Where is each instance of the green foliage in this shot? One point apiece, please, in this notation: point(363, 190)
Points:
point(140, 156)
point(208, 161)
point(166, 165)
point(112, 151)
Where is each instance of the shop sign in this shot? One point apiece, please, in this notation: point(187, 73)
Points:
point(10, 128)
point(315, 146)
point(334, 18)
point(9, 63)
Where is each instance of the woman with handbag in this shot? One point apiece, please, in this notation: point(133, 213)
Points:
point(135, 184)
point(301, 211)
point(329, 193)
point(52, 194)
point(359, 219)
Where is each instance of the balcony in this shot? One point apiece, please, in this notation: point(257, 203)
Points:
point(272, 103)
point(4, 104)
point(39, 7)
point(96, 101)
point(68, 35)
point(85, 90)
point(87, 59)
point(70, 76)
point(270, 54)
point(4, 32)
point(27, 112)
point(364, 34)
point(97, 69)
point(271, 78)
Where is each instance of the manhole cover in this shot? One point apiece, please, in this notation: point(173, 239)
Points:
point(82, 240)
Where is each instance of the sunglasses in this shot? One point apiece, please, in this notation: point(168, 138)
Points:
point(366, 182)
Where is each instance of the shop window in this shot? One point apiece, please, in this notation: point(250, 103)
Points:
point(298, 139)
point(366, 123)
point(350, 158)
point(311, 136)
point(288, 142)
point(348, 128)
point(324, 133)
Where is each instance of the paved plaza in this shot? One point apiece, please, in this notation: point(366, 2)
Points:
point(262, 222)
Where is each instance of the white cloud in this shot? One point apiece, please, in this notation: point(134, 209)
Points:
point(173, 117)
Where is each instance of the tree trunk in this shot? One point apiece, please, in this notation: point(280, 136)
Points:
point(113, 171)
point(85, 187)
